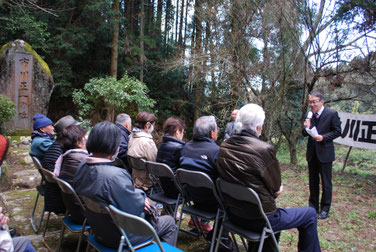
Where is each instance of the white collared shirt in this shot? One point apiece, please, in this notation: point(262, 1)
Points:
point(320, 111)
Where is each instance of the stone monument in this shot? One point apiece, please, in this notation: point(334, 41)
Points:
point(26, 79)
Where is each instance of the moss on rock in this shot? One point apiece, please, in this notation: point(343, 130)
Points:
point(43, 64)
point(29, 49)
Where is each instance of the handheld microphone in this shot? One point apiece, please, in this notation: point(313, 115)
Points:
point(309, 115)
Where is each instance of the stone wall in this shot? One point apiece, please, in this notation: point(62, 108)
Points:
point(26, 79)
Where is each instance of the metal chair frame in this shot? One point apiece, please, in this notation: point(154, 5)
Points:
point(138, 226)
point(49, 177)
point(68, 189)
point(140, 164)
point(198, 179)
point(157, 171)
point(243, 193)
point(40, 192)
point(91, 241)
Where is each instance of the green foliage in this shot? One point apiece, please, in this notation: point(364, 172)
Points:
point(371, 215)
point(20, 23)
point(7, 109)
point(348, 10)
point(118, 94)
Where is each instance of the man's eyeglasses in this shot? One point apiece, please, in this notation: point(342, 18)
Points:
point(314, 101)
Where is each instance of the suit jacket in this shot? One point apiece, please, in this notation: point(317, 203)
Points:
point(329, 126)
point(229, 131)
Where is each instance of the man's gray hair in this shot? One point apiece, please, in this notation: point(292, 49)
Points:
point(203, 126)
point(249, 117)
point(317, 94)
point(122, 118)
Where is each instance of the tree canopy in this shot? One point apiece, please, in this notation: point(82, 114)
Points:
point(205, 56)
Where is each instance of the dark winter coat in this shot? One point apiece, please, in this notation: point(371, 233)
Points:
point(244, 159)
point(169, 152)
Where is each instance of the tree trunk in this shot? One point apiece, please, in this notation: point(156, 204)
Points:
point(197, 68)
point(142, 53)
point(185, 26)
point(181, 25)
point(167, 20)
point(150, 18)
point(177, 20)
point(159, 18)
point(115, 40)
point(293, 154)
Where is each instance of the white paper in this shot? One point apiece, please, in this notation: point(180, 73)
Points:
point(312, 132)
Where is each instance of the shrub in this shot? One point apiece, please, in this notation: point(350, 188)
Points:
point(102, 98)
point(7, 109)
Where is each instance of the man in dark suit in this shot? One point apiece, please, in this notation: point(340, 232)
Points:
point(231, 125)
point(320, 151)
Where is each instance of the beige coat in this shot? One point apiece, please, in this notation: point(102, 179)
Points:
point(141, 145)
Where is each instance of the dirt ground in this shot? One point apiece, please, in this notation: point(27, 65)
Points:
point(350, 227)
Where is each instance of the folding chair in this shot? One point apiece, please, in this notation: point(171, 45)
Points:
point(40, 191)
point(72, 201)
point(119, 163)
point(140, 164)
point(49, 177)
point(248, 198)
point(196, 179)
point(137, 163)
point(128, 223)
point(162, 172)
point(105, 229)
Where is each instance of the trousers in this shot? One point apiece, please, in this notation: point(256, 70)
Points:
point(316, 170)
point(166, 229)
point(302, 218)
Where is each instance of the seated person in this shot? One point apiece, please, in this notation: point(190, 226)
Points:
point(141, 145)
point(200, 154)
point(54, 152)
point(42, 137)
point(52, 197)
point(73, 144)
point(99, 180)
point(245, 159)
point(169, 151)
point(124, 122)
point(9, 244)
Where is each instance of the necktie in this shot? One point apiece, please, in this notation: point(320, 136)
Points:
point(317, 115)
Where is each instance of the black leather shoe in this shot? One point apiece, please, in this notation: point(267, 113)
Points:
point(323, 215)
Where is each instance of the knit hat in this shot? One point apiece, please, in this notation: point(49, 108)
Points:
point(64, 122)
point(41, 121)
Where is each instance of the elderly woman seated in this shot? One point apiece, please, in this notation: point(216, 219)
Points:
point(169, 152)
point(141, 145)
point(53, 201)
point(42, 137)
point(100, 181)
point(73, 144)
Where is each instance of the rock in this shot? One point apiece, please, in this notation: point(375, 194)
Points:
point(25, 140)
point(26, 79)
point(24, 146)
point(27, 159)
point(4, 176)
point(26, 178)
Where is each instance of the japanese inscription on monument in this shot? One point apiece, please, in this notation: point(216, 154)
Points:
point(23, 81)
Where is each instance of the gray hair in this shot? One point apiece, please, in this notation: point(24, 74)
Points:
point(122, 118)
point(203, 126)
point(249, 117)
point(317, 94)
